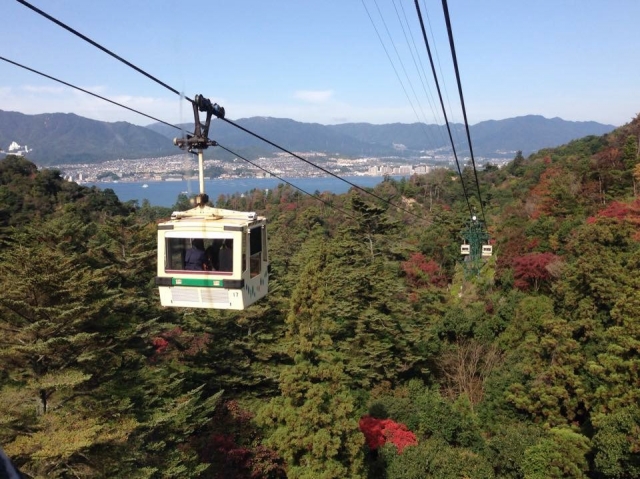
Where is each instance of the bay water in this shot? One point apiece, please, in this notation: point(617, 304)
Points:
point(165, 193)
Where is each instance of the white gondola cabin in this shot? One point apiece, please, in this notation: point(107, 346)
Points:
point(212, 258)
point(487, 250)
point(465, 249)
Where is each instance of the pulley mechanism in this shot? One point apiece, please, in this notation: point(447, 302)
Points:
point(199, 140)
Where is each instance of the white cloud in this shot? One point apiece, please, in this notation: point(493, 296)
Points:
point(50, 90)
point(308, 106)
point(34, 100)
point(313, 96)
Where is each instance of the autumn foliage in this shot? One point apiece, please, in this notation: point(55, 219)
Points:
point(232, 447)
point(532, 270)
point(620, 211)
point(378, 432)
point(160, 344)
point(423, 272)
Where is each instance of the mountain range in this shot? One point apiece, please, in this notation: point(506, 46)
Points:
point(63, 138)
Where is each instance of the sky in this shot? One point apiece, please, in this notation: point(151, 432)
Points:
point(329, 61)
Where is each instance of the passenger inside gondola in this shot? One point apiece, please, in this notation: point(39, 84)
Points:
point(198, 254)
point(213, 261)
point(225, 256)
point(195, 258)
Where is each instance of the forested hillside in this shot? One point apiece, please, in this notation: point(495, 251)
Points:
point(64, 138)
point(59, 138)
point(374, 355)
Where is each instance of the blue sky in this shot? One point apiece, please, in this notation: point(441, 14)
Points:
point(324, 61)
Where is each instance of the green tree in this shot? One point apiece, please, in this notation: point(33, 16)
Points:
point(50, 314)
point(616, 443)
point(551, 360)
point(434, 458)
point(599, 293)
point(314, 420)
point(80, 391)
point(562, 454)
point(507, 446)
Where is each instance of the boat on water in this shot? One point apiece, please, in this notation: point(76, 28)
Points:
point(145, 186)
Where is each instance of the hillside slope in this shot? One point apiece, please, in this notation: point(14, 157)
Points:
point(375, 354)
point(58, 138)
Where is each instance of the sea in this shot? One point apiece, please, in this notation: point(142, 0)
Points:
point(165, 193)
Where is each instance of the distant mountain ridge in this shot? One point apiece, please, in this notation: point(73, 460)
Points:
point(58, 138)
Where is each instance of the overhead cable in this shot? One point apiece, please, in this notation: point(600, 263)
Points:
point(444, 112)
point(353, 185)
point(100, 47)
point(97, 45)
point(437, 60)
point(417, 61)
point(395, 69)
point(86, 91)
point(177, 128)
point(287, 182)
point(445, 8)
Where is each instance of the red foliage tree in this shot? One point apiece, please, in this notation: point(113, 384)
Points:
point(231, 448)
point(620, 211)
point(533, 269)
point(378, 432)
point(540, 200)
point(422, 272)
point(160, 344)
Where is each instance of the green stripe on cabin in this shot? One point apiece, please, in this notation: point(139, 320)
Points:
point(203, 283)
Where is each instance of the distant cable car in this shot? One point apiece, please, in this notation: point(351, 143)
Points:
point(476, 241)
point(211, 257)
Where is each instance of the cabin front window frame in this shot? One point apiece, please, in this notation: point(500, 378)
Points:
point(170, 250)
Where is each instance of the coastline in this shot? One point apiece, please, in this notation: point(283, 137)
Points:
point(165, 193)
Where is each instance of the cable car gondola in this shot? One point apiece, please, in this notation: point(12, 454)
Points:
point(230, 270)
point(211, 257)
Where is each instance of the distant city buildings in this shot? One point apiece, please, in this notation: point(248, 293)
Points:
point(403, 170)
point(181, 167)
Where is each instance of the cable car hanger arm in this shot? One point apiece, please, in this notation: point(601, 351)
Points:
point(200, 138)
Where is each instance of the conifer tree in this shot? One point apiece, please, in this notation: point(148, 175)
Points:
point(378, 334)
point(553, 390)
point(78, 392)
point(50, 312)
point(314, 419)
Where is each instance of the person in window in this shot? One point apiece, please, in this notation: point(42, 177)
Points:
point(213, 262)
point(225, 256)
point(195, 259)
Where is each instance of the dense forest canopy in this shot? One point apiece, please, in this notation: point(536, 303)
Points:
point(374, 356)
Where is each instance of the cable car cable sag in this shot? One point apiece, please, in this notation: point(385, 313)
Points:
point(86, 91)
point(359, 188)
point(445, 8)
point(288, 183)
point(97, 45)
point(435, 77)
point(70, 85)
